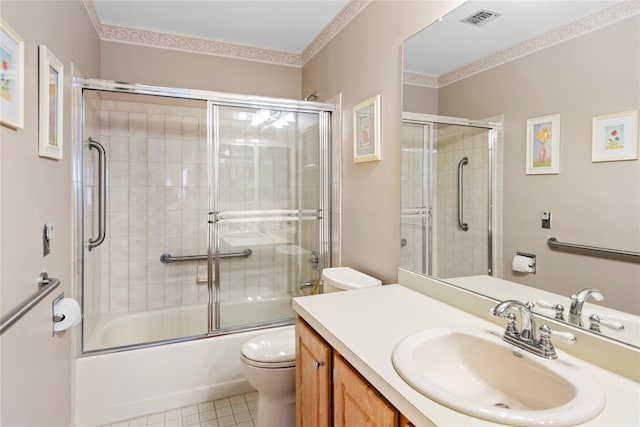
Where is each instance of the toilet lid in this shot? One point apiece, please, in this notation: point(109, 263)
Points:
point(274, 347)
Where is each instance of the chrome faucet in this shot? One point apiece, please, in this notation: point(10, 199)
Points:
point(527, 322)
point(577, 301)
point(526, 339)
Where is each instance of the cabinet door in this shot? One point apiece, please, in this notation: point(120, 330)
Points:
point(355, 402)
point(404, 422)
point(313, 378)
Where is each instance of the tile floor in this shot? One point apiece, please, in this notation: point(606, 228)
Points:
point(234, 411)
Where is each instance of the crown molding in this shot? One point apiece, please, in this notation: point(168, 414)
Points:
point(165, 40)
point(417, 79)
point(350, 11)
point(615, 13)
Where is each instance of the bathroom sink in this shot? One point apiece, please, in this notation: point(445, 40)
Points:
point(476, 373)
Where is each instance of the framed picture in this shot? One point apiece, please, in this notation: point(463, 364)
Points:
point(11, 78)
point(366, 131)
point(50, 88)
point(615, 137)
point(543, 145)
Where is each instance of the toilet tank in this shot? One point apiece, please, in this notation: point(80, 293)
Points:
point(345, 279)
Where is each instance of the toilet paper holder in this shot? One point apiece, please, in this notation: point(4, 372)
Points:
point(531, 261)
point(55, 318)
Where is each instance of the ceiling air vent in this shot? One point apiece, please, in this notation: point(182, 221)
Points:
point(481, 17)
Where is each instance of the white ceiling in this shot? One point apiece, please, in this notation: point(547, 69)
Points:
point(288, 26)
point(449, 44)
point(292, 25)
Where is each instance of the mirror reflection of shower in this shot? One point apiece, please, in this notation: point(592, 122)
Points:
point(447, 191)
point(211, 217)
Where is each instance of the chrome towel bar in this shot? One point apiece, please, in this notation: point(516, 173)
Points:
point(45, 286)
point(554, 243)
point(167, 258)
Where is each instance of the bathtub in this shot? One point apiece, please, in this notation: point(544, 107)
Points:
point(127, 384)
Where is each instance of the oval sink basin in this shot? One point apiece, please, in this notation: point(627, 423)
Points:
point(480, 375)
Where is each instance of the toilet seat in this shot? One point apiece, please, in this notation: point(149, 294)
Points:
point(272, 350)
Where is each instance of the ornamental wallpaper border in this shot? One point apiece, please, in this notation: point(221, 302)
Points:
point(142, 37)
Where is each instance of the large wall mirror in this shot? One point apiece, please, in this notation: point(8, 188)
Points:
point(524, 90)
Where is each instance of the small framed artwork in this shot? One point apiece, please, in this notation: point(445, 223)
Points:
point(543, 145)
point(366, 131)
point(615, 137)
point(50, 88)
point(11, 78)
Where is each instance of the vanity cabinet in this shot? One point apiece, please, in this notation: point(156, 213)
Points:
point(352, 401)
point(313, 378)
point(355, 402)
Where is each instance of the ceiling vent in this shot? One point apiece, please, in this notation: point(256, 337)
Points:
point(481, 17)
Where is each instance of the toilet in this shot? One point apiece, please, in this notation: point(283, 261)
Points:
point(269, 360)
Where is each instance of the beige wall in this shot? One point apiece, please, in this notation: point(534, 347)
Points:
point(36, 368)
point(419, 99)
point(363, 60)
point(141, 64)
point(592, 203)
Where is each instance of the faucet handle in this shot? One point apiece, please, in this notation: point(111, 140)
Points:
point(596, 321)
point(559, 308)
point(546, 347)
point(566, 337)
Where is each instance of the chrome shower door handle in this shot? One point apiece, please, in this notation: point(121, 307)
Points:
point(102, 194)
point(463, 225)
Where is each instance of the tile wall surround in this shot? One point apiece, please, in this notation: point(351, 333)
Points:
point(157, 199)
point(454, 143)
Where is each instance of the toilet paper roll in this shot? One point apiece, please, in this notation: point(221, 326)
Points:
point(70, 309)
point(523, 264)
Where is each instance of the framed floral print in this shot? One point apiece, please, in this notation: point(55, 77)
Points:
point(543, 145)
point(615, 137)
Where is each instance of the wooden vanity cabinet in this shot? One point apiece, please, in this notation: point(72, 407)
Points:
point(313, 378)
point(352, 401)
point(355, 402)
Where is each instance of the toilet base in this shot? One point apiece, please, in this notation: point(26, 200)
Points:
point(279, 412)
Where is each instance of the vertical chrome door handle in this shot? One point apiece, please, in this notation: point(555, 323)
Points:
point(463, 225)
point(102, 194)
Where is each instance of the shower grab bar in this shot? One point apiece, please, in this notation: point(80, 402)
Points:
point(102, 194)
point(167, 258)
point(463, 225)
point(46, 284)
point(554, 243)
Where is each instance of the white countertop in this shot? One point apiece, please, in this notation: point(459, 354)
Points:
point(365, 325)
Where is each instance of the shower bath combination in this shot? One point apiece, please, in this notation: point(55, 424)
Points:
point(198, 213)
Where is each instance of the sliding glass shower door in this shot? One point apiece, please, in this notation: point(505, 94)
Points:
point(447, 196)
point(199, 213)
point(268, 202)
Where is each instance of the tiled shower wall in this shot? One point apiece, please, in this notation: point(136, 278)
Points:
point(157, 189)
point(456, 252)
point(461, 253)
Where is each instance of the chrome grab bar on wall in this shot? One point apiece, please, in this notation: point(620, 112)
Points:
point(463, 225)
point(102, 193)
point(167, 258)
point(554, 243)
point(45, 286)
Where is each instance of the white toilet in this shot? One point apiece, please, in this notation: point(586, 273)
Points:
point(269, 360)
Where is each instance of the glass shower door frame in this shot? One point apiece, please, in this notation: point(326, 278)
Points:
point(492, 135)
point(218, 217)
point(327, 123)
